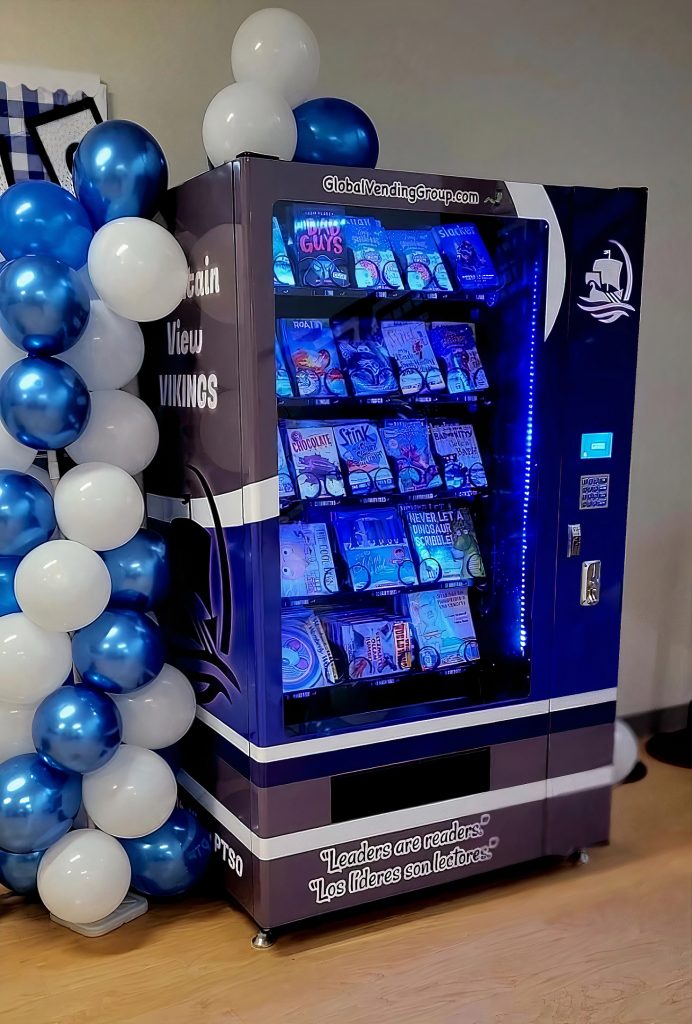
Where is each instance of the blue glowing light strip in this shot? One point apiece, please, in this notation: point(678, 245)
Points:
point(533, 333)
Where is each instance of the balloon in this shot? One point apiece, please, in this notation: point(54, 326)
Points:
point(172, 859)
point(8, 602)
point(122, 431)
point(77, 729)
point(37, 803)
point(42, 475)
point(84, 877)
point(62, 586)
point(277, 49)
point(133, 795)
point(248, 118)
point(98, 505)
point(15, 730)
point(119, 652)
point(14, 454)
point(44, 306)
point(160, 713)
point(33, 662)
point(18, 871)
point(138, 268)
point(334, 131)
point(110, 353)
point(39, 218)
point(27, 518)
point(9, 353)
point(119, 170)
point(625, 750)
point(139, 571)
point(43, 403)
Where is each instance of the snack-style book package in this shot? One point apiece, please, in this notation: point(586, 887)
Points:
point(373, 544)
point(373, 644)
point(307, 565)
point(409, 346)
point(444, 541)
point(443, 628)
point(407, 443)
point(375, 266)
point(363, 455)
point(315, 460)
point(364, 357)
point(421, 261)
point(307, 662)
point(454, 344)
point(457, 447)
point(467, 255)
point(320, 246)
point(311, 350)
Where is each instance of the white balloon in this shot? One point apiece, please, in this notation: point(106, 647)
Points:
point(121, 430)
point(625, 750)
point(15, 730)
point(245, 117)
point(132, 795)
point(84, 876)
point(98, 505)
point(33, 661)
point(13, 454)
point(9, 353)
point(138, 268)
point(277, 49)
point(83, 274)
point(110, 352)
point(160, 713)
point(62, 585)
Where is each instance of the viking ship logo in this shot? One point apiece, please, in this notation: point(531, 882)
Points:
point(610, 285)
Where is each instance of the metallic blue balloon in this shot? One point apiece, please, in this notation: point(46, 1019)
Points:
point(44, 403)
point(334, 131)
point(18, 871)
point(77, 729)
point(8, 571)
point(39, 218)
point(172, 859)
point(139, 571)
point(44, 306)
point(119, 170)
point(119, 652)
point(37, 803)
point(27, 518)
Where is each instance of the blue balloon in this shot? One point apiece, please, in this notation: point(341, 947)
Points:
point(77, 729)
point(18, 871)
point(119, 652)
point(27, 518)
point(334, 131)
point(37, 803)
point(139, 571)
point(172, 859)
point(44, 403)
point(119, 170)
point(39, 218)
point(8, 571)
point(44, 306)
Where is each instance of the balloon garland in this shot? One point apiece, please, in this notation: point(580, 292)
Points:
point(86, 696)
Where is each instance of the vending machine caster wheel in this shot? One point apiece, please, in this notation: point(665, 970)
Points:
point(263, 939)
point(579, 857)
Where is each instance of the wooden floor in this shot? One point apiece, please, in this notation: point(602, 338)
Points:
point(607, 943)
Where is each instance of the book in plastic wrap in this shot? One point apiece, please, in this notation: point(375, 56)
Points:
point(283, 272)
point(454, 344)
point(444, 543)
point(373, 544)
point(311, 351)
point(307, 566)
point(443, 628)
point(306, 659)
point(407, 443)
point(372, 644)
point(284, 387)
point(375, 265)
point(315, 460)
point(467, 255)
point(320, 246)
point(409, 346)
point(286, 488)
point(456, 445)
point(364, 358)
point(421, 261)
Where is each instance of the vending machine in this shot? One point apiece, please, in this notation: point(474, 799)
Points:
point(396, 415)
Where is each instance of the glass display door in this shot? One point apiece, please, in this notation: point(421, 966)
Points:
point(406, 376)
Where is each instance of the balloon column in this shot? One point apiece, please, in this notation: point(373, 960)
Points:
point(78, 573)
point(276, 60)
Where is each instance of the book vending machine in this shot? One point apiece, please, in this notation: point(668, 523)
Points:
point(396, 415)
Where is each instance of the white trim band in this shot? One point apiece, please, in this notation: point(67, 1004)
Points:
point(253, 503)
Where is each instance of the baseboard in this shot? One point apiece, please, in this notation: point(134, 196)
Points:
point(659, 720)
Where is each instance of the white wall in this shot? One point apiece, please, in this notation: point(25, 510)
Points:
point(591, 92)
